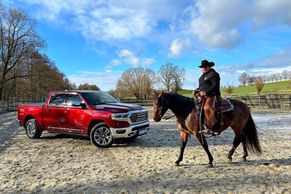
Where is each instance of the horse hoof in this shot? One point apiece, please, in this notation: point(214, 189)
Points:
point(244, 159)
point(177, 163)
point(229, 160)
point(210, 166)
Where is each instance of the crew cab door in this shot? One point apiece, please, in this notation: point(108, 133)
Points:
point(78, 116)
point(54, 113)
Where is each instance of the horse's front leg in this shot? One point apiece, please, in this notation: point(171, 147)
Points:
point(204, 144)
point(184, 139)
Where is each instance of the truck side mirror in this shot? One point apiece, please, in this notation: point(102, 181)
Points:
point(79, 104)
point(83, 105)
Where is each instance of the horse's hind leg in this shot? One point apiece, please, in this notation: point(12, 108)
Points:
point(245, 150)
point(237, 140)
point(184, 139)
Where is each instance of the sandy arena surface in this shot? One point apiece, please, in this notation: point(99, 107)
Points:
point(71, 164)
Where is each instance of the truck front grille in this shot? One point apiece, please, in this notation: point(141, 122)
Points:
point(138, 117)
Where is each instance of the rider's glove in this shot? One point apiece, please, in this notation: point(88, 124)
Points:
point(202, 93)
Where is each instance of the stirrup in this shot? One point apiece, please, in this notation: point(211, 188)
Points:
point(205, 131)
point(208, 132)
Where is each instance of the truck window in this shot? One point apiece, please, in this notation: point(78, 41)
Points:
point(73, 99)
point(99, 97)
point(58, 100)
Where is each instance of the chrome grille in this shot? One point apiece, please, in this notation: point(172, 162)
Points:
point(137, 117)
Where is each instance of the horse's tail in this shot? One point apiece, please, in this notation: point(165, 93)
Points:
point(251, 136)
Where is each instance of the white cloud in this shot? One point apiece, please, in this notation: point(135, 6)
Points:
point(108, 20)
point(269, 12)
point(215, 24)
point(104, 80)
point(239, 71)
point(191, 79)
point(179, 46)
point(127, 57)
point(223, 24)
point(268, 65)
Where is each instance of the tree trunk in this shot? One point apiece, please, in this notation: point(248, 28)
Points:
point(1, 91)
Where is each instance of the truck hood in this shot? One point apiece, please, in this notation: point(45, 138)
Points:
point(118, 107)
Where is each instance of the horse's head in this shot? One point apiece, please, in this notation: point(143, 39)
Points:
point(160, 106)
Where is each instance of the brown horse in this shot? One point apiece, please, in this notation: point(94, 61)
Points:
point(185, 110)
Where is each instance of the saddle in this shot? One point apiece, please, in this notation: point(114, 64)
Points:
point(226, 105)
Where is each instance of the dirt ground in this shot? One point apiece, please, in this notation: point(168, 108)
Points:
point(71, 164)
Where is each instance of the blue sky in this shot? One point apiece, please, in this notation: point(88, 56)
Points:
point(95, 41)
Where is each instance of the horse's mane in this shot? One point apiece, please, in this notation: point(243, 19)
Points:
point(180, 98)
point(180, 104)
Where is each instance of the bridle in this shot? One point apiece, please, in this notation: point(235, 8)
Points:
point(160, 108)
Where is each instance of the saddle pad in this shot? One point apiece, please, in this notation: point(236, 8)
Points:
point(227, 105)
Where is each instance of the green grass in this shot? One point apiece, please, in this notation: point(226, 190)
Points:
point(282, 87)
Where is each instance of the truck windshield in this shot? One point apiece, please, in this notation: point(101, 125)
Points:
point(100, 97)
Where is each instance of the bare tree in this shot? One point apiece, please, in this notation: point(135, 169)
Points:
point(243, 78)
point(42, 76)
point(285, 74)
point(259, 83)
point(178, 77)
point(17, 39)
point(171, 76)
point(87, 86)
point(121, 91)
point(138, 81)
point(250, 80)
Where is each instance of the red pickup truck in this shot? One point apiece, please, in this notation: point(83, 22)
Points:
point(92, 113)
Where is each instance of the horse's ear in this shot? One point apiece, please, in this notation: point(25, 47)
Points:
point(155, 93)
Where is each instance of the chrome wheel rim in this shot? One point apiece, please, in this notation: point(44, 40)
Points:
point(102, 136)
point(31, 129)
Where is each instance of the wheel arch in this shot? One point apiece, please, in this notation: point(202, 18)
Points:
point(93, 123)
point(28, 117)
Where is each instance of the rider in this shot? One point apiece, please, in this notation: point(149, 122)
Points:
point(209, 88)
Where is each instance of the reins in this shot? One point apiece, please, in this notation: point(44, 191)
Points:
point(200, 117)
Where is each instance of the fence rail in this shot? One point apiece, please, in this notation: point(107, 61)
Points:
point(6, 106)
point(268, 101)
point(276, 101)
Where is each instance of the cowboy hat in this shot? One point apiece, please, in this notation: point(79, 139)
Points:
point(205, 63)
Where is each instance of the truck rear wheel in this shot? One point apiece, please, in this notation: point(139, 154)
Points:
point(101, 135)
point(32, 130)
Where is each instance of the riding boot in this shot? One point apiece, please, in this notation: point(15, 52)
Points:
point(221, 117)
point(220, 109)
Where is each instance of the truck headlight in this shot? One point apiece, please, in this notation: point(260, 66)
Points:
point(119, 116)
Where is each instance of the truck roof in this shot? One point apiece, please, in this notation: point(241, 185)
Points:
point(77, 91)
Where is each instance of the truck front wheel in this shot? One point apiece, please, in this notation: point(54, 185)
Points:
point(101, 135)
point(32, 130)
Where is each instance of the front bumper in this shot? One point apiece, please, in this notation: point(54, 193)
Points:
point(130, 131)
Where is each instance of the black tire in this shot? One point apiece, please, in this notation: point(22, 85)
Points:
point(101, 136)
point(31, 129)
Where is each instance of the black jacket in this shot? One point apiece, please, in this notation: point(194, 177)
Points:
point(209, 82)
